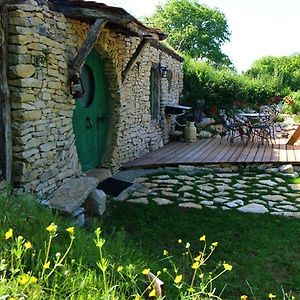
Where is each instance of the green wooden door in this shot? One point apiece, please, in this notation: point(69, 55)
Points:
point(90, 119)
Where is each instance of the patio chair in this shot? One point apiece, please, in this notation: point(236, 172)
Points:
point(234, 127)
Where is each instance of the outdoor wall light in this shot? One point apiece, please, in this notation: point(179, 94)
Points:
point(163, 69)
point(76, 86)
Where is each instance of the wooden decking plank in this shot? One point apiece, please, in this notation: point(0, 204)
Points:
point(260, 152)
point(204, 151)
point(252, 153)
point(186, 151)
point(244, 154)
point(237, 153)
point(228, 151)
point(275, 152)
point(190, 156)
point(290, 153)
point(267, 153)
point(297, 153)
point(215, 150)
point(283, 152)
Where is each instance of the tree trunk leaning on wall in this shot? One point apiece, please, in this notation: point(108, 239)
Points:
point(5, 120)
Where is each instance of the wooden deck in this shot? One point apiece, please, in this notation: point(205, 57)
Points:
point(210, 151)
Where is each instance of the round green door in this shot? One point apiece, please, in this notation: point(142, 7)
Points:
point(90, 118)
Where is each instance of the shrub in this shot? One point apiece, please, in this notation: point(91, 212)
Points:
point(292, 103)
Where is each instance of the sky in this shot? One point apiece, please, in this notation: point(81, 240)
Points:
point(258, 27)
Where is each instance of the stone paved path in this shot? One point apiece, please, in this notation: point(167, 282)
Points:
point(250, 191)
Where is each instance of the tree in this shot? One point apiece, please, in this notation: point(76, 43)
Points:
point(194, 29)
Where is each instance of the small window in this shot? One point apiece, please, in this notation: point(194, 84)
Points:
point(154, 93)
point(88, 83)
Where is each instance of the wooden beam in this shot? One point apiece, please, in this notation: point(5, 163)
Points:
point(88, 44)
point(295, 137)
point(5, 119)
point(133, 60)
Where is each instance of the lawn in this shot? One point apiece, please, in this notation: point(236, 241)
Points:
point(262, 249)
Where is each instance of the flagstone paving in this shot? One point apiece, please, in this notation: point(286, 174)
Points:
point(246, 192)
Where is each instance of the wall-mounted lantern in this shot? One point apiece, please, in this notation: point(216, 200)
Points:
point(76, 86)
point(163, 69)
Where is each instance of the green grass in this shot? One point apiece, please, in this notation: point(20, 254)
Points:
point(263, 249)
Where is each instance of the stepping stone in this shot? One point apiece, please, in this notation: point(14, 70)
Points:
point(169, 194)
point(185, 177)
point(227, 175)
point(278, 179)
point(282, 188)
point(254, 208)
point(258, 201)
point(188, 195)
point(235, 203)
point(287, 214)
point(223, 180)
point(163, 201)
point(226, 208)
point(140, 179)
point(274, 197)
point(206, 188)
point(241, 196)
point(209, 176)
point(139, 201)
point(272, 170)
point(220, 200)
point(240, 186)
point(223, 188)
point(241, 181)
point(287, 207)
point(166, 181)
point(190, 205)
point(268, 182)
point(73, 193)
point(295, 187)
point(271, 203)
point(221, 194)
point(162, 176)
point(202, 193)
point(207, 203)
point(185, 189)
point(286, 168)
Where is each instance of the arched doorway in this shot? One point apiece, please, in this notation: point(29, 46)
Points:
point(90, 118)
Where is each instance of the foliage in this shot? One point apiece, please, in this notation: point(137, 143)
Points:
point(194, 29)
point(283, 71)
point(223, 88)
point(292, 103)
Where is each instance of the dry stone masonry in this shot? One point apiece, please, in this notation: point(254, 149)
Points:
point(42, 44)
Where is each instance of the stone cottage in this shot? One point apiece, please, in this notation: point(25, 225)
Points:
point(82, 85)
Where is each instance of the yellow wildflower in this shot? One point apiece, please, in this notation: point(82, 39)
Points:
point(46, 265)
point(187, 245)
point(198, 258)
point(227, 267)
point(214, 244)
point(152, 293)
point(70, 230)
point(191, 290)
point(165, 270)
point(202, 238)
point(271, 296)
point(196, 265)
point(28, 245)
point(180, 241)
point(33, 280)
point(146, 271)
point(9, 234)
point(23, 279)
point(52, 228)
point(178, 279)
point(120, 268)
point(166, 252)
point(244, 297)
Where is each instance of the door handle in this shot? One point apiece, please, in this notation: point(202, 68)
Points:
point(89, 123)
point(101, 118)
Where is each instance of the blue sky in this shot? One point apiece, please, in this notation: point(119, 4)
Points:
point(259, 27)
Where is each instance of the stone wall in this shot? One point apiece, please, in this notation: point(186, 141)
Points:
point(42, 43)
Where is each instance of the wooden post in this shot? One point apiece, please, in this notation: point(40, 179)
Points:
point(134, 58)
point(88, 44)
point(5, 113)
point(295, 137)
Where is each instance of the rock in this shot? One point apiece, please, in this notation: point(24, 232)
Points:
point(204, 134)
point(162, 201)
point(207, 188)
point(226, 175)
point(287, 207)
point(282, 188)
point(235, 203)
point(240, 186)
point(286, 169)
point(185, 189)
point(291, 175)
point(185, 177)
point(207, 203)
point(268, 182)
point(79, 216)
point(72, 194)
point(95, 203)
point(186, 169)
point(294, 186)
point(254, 208)
point(273, 197)
point(143, 200)
point(169, 194)
point(205, 122)
point(220, 200)
point(166, 181)
point(278, 179)
point(190, 205)
point(205, 194)
point(272, 170)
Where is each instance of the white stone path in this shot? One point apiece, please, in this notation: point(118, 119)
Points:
point(246, 192)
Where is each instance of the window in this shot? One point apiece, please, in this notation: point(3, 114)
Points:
point(155, 93)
